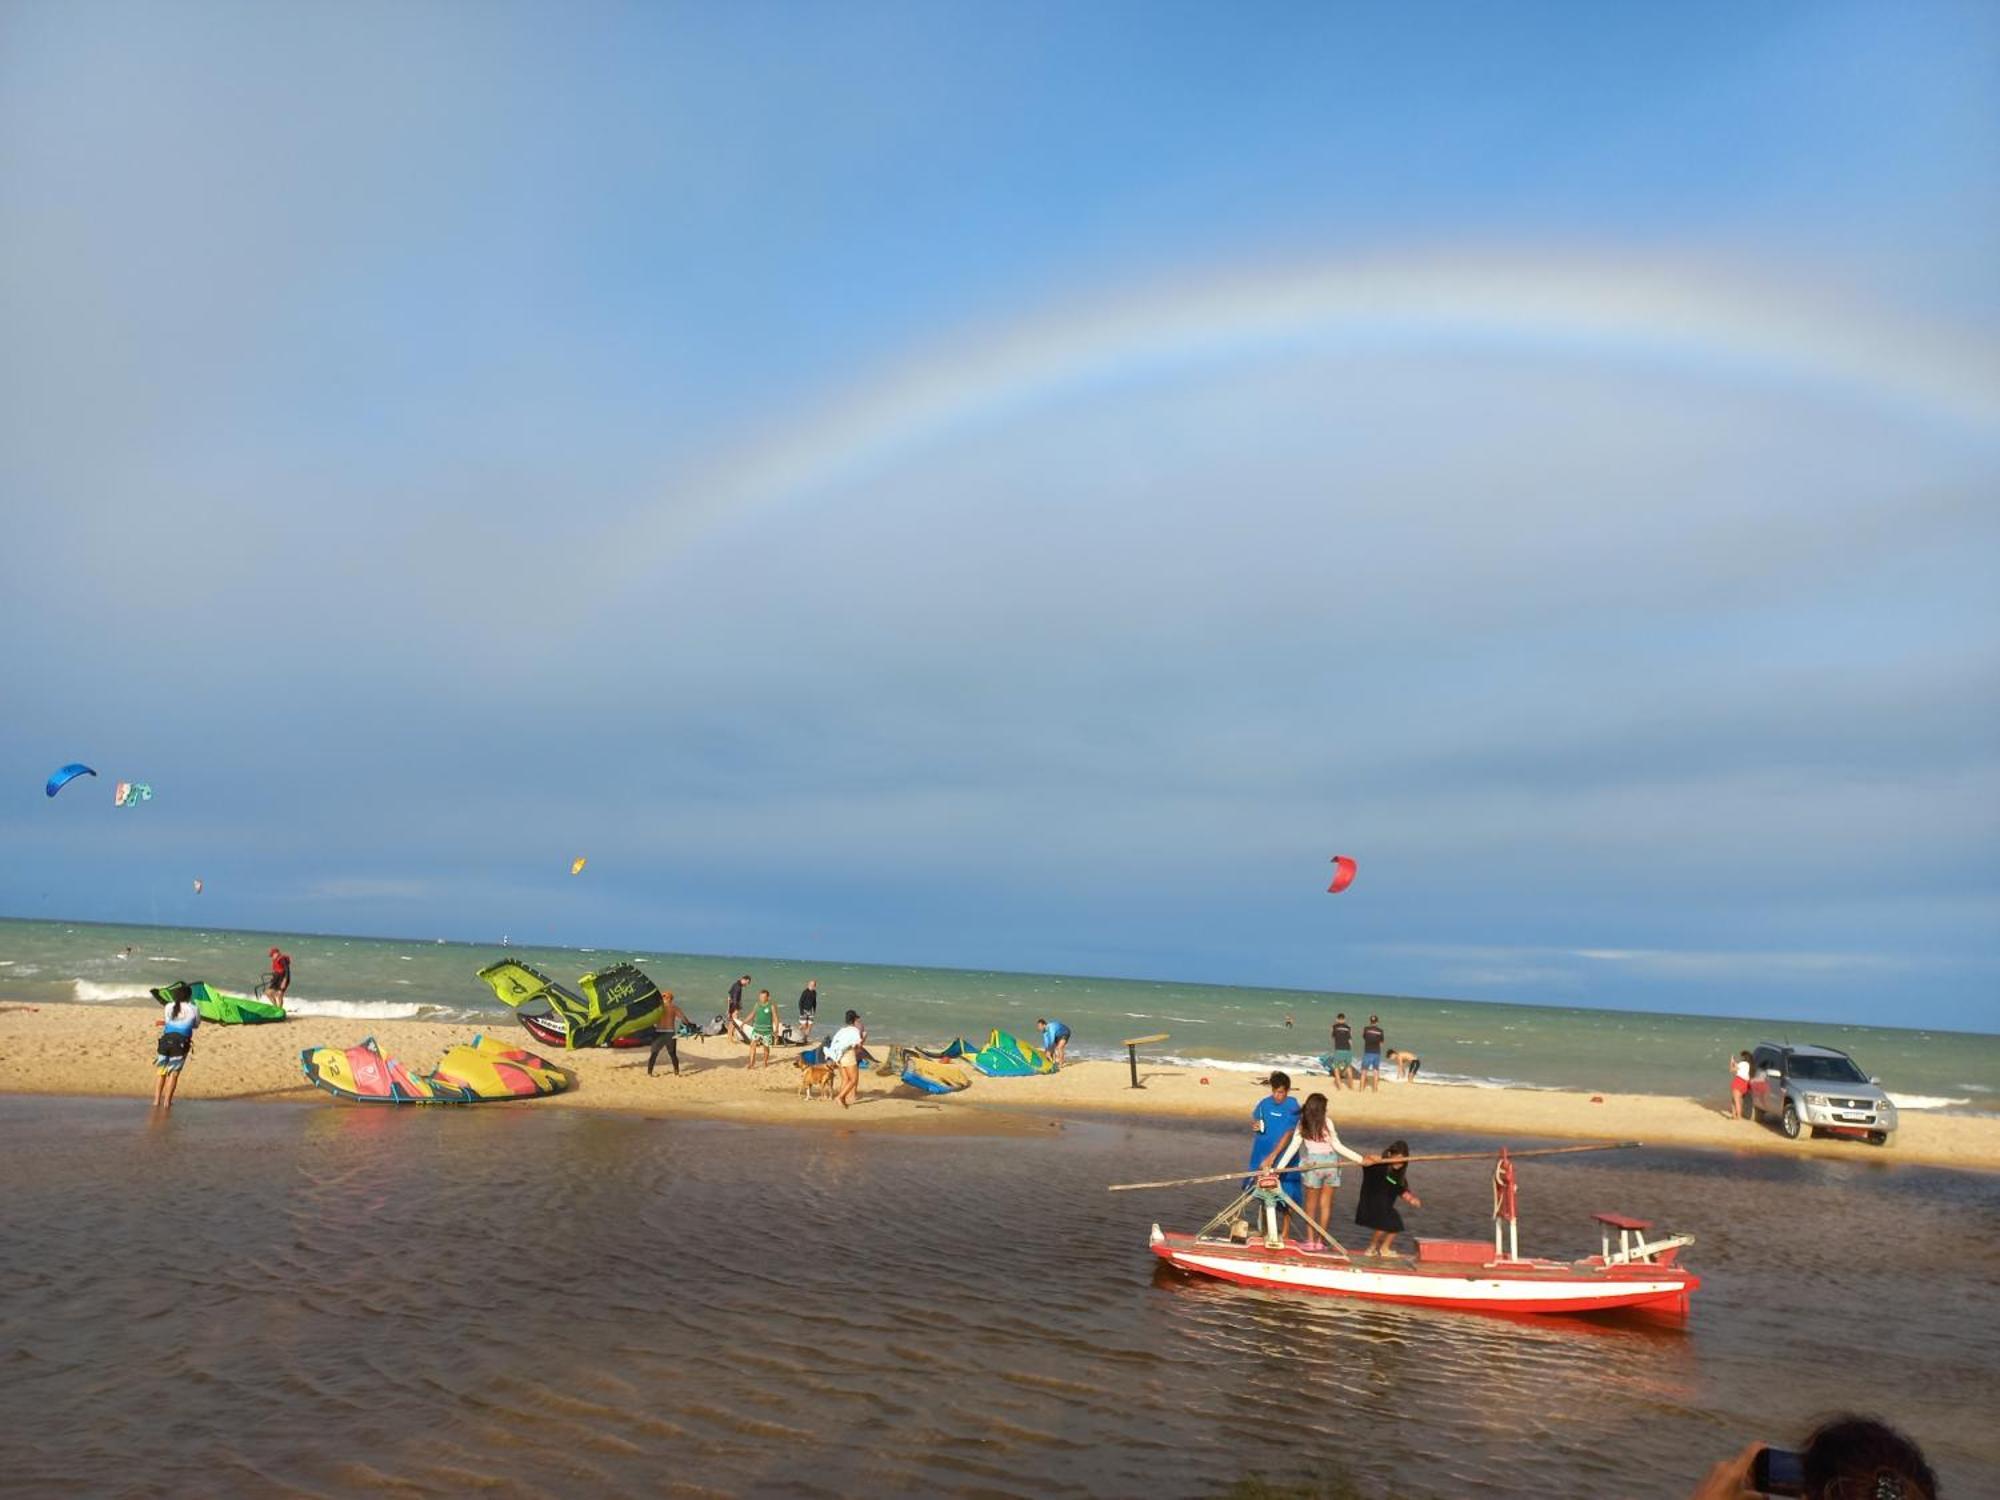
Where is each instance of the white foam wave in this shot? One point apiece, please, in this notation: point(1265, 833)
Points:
point(1924, 1101)
point(92, 993)
point(366, 1010)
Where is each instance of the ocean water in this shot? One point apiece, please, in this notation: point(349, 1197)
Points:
point(280, 1299)
point(342, 980)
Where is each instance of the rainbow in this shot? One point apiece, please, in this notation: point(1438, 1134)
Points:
point(1714, 325)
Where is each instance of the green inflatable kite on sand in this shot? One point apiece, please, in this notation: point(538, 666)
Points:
point(219, 1006)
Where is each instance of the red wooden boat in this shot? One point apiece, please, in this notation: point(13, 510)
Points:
point(1462, 1274)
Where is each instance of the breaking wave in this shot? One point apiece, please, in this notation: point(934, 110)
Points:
point(92, 993)
point(1924, 1101)
point(370, 1010)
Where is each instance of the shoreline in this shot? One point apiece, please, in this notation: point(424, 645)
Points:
point(105, 1051)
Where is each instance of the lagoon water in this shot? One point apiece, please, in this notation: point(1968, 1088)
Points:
point(347, 981)
point(280, 1299)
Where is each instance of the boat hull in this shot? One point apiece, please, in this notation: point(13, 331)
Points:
point(1516, 1287)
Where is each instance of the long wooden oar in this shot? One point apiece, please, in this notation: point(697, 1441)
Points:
point(1128, 1187)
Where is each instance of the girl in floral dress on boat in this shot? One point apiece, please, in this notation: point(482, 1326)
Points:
point(1317, 1146)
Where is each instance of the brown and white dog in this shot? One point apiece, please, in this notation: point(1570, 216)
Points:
point(818, 1076)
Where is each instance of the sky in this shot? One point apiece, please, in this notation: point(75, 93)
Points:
point(1020, 486)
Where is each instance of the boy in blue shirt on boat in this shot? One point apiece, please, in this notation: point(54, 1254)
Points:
point(1274, 1118)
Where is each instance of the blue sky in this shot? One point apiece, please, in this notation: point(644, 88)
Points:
point(1021, 486)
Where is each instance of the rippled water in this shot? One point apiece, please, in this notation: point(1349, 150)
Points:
point(272, 1299)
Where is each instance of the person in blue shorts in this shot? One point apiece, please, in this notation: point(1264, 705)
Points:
point(171, 1052)
point(1274, 1118)
point(1055, 1038)
point(1371, 1054)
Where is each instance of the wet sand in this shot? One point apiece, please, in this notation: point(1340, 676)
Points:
point(106, 1050)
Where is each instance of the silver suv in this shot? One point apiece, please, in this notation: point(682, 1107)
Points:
point(1818, 1089)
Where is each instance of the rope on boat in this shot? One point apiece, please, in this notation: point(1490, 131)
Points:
point(1240, 1172)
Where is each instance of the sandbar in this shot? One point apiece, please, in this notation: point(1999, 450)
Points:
point(107, 1050)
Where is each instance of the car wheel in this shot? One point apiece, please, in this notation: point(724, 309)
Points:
point(1878, 1137)
point(1791, 1124)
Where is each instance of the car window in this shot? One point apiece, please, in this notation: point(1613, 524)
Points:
point(1826, 1070)
point(1765, 1060)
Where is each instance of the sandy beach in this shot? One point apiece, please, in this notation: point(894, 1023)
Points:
point(105, 1050)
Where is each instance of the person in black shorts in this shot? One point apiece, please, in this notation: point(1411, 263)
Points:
point(808, 1010)
point(671, 1019)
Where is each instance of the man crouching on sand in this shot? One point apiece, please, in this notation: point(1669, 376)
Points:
point(176, 1037)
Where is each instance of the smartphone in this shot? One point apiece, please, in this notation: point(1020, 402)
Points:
point(1778, 1472)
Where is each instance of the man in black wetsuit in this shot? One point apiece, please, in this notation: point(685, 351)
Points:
point(736, 1003)
point(808, 1010)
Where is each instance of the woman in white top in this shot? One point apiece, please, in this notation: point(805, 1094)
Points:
point(843, 1050)
point(1318, 1148)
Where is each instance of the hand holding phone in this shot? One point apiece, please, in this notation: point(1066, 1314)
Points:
point(1778, 1471)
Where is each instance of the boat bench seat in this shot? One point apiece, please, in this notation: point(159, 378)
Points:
point(1453, 1252)
point(1620, 1221)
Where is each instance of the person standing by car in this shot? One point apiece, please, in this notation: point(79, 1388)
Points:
point(171, 1053)
point(1739, 1087)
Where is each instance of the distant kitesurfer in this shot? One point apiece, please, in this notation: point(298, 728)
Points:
point(672, 1018)
point(1055, 1038)
point(808, 1010)
point(843, 1050)
point(279, 982)
point(170, 1056)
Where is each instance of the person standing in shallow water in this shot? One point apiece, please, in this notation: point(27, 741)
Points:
point(171, 1053)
